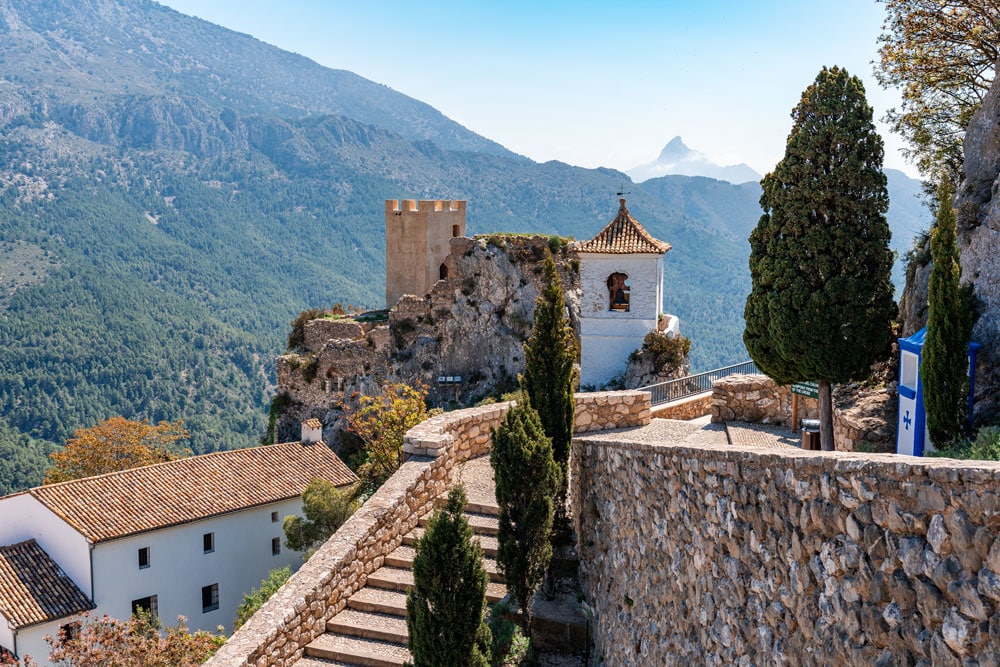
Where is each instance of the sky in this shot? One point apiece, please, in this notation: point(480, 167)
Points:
point(589, 83)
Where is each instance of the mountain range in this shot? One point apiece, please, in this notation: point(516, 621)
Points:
point(173, 193)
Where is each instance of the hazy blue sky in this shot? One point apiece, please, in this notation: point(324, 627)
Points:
point(589, 83)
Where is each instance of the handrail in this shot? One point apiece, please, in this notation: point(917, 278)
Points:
point(673, 390)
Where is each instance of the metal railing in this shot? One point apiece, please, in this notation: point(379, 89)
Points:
point(673, 390)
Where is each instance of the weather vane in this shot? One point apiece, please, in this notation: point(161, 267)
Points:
point(621, 191)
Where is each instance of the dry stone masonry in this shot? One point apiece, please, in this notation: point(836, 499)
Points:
point(734, 555)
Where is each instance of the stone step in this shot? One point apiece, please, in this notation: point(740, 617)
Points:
point(307, 661)
point(379, 600)
point(403, 557)
point(492, 509)
point(487, 542)
point(356, 651)
point(481, 524)
point(368, 625)
point(397, 579)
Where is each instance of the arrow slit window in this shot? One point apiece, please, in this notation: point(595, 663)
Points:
point(618, 292)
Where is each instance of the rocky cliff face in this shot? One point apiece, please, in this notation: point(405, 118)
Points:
point(463, 340)
point(978, 207)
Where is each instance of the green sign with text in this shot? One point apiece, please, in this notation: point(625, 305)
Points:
point(810, 389)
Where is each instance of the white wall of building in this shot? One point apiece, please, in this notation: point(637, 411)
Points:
point(608, 337)
point(179, 567)
point(22, 518)
point(31, 640)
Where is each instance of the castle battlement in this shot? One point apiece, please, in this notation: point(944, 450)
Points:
point(400, 206)
point(417, 235)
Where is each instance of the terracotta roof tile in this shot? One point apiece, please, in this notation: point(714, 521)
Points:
point(110, 506)
point(623, 235)
point(312, 423)
point(33, 589)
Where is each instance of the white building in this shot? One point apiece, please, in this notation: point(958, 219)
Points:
point(188, 537)
point(621, 277)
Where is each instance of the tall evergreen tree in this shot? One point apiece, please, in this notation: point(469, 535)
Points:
point(949, 326)
point(821, 301)
point(444, 609)
point(549, 355)
point(527, 482)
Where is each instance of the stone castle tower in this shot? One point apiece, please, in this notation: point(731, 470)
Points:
point(621, 275)
point(416, 244)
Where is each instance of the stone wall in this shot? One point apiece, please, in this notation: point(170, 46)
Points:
point(686, 408)
point(757, 399)
point(277, 634)
point(740, 556)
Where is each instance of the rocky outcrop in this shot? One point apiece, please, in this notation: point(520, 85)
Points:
point(464, 339)
point(978, 209)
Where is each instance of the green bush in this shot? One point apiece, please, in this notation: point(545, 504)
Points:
point(256, 598)
point(986, 447)
point(664, 350)
point(297, 337)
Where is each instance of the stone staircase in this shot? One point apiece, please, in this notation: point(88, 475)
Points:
point(371, 630)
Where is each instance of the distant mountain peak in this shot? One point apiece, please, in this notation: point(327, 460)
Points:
point(674, 149)
point(677, 159)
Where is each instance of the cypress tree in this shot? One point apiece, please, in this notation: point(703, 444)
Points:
point(527, 482)
point(821, 301)
point(444, 609)
point(944, 366)
point(549, 355)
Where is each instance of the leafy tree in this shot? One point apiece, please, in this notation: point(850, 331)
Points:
point(256, 598)
point(944, 369)
point(821, 301)
point(23, 460)
point(527, 483)
point(326, 508)
point(549, 355)
point(381, 422)
point(116, 444)
point(137, 642)
point(444, 609)
point(942, 55)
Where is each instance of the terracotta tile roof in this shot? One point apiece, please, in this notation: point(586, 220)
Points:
point(312, 423)
point(33, 589)
point(623, 235)
point(110, 506)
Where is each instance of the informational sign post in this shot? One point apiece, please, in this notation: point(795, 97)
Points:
point(808, 389)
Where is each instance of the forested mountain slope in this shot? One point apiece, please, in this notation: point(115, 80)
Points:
point(172, 194)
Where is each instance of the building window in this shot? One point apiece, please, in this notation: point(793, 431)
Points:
point(146, 606)
point(70, 631)
point(208, 542)
point(209, 598)
point(275, 546)
point(143, 558)
point(618, 292)
point(443, 272)
point(454, 230)
point(274, 517)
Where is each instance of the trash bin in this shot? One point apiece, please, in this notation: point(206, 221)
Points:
point(810, 434)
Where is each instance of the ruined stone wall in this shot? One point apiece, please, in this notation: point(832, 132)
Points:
point(735, 555)
point(471, 326)
point(277, 634)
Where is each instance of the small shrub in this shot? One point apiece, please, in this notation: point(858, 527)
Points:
point(986, 447)
point(664, 350)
